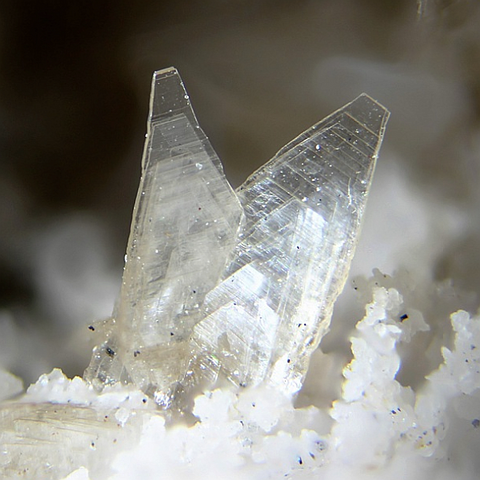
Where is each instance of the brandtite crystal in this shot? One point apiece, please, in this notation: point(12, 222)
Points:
point(184, 226)
point(237, 284)
point(303, 213)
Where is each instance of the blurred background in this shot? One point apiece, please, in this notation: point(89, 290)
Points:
point(74, 90)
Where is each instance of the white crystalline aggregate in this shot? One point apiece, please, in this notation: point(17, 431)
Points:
point(461, 369)
point(380, 423)
point(235, 443)
point(56, 387)
point(377, 428)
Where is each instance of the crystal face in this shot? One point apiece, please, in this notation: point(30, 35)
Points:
point(237, 284)
point(184, 226)
point(303, 212)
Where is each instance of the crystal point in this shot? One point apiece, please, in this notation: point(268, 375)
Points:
point(237, 284)
point(184, 226)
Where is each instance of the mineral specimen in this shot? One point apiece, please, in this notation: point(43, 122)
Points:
point(238, 285)
point(235, 284)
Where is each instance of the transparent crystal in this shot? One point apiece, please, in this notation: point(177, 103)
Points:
point(237, 284)
point(184, 226)
point(303, 212)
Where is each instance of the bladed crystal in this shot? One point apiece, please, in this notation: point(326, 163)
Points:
point(184, 226)
point(235, 284)
point(303, 213)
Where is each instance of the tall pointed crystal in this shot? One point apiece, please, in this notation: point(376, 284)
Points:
point(184, 226)
point(240, 284)
point(303, 212)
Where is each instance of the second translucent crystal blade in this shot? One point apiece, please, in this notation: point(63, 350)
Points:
point(303, 211)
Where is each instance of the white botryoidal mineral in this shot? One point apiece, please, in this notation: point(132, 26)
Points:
point(377, 428)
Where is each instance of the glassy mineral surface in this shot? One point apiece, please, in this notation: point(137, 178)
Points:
point(303, 211)
point(238, 284)
point(184, 226)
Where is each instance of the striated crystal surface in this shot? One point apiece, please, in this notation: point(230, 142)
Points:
point(184, 226)
point(47, 441)
point(303, 212)
point(237, 284)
